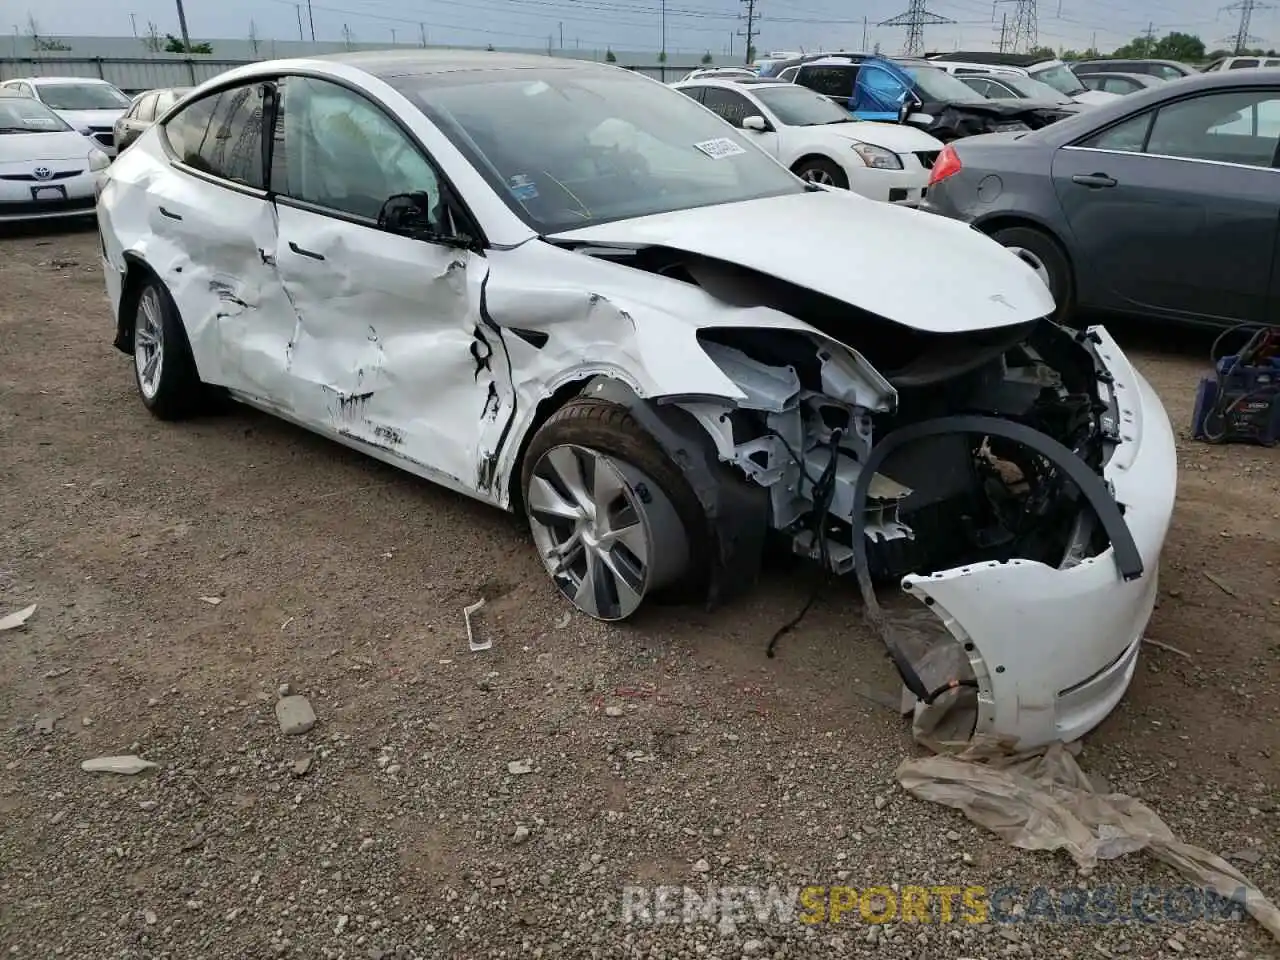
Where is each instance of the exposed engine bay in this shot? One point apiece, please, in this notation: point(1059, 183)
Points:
point(810, 422)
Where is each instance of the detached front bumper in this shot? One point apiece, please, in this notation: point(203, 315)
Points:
point(1053, 650)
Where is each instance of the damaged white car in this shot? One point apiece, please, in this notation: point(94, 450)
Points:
point(569, 290)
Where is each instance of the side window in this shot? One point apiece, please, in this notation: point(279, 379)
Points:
point(732, 106)
point(1166, 73)
point(337, 150)
point(145, 109)
point(788, 75)
point(1000, 92)
point(693, 93)
point(221, 135)
point(978, 85)
point(1128, 136)
point(1232, 127)
point(829, 81)
point(1242, 64)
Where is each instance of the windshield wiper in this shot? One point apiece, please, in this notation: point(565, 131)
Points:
point(827, 123)
point(17, 130)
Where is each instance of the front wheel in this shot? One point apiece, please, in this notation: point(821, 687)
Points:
point(613, 519)
point(823, 171)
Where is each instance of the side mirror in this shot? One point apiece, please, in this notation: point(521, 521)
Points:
point(757, 123)
point(406, 213)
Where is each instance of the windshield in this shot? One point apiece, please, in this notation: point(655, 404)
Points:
point(82, 96)
point(569, 148)
point(1033, 89)
point(24, 115)
point(801, 107)
point(935, 84)
point(1060, 78)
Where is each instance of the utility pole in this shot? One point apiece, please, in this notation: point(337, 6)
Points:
point(253, 38)
point(1004, 32)
point(393, 36)
point(133, 22)
point(182, 22)
point(346, 35)
point(311, 20)
point(915, 18)
point(864, 35)
point(662, 28)
point(422, 34)
point(297, 8)
point(561, 34)
point(752, 19)
point(1246, 8)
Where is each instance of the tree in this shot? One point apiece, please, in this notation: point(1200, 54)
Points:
point(1088, 54)
point(707, 58)
point(151, 39)
point(41, 44)
point(489, 48)
point(1043, 53)
point(662, 56)
point(1172, 46)
point(610, 56)
point(174, 45)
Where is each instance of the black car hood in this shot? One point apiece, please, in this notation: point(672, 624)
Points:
point(955, 119)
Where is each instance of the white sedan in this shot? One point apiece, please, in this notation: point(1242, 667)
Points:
point(47, 170)
point(90, 105)
point(823, 142)
point(567, 290)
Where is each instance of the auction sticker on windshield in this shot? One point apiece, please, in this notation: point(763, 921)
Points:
point(719, 148)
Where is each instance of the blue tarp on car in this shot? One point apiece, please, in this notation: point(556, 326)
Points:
point(880, 89)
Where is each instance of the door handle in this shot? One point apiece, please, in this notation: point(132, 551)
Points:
point(1094, 180)
point(170, 214)
point(305, 253)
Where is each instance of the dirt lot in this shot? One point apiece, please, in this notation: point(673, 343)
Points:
point(408, 836)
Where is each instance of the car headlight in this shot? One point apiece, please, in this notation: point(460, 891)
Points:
point(98, 160)
point(877, 157)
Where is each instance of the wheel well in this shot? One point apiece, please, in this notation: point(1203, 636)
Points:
point(811, 156)
point(136, 272)
point(547, 407)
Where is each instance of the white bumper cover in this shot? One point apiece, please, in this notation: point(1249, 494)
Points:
point(1053, 650)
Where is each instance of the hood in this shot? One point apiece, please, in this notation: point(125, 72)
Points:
point(30, 148)
point(898, 138)
point(1095, 98)
point(927, 272)
point(91, 118)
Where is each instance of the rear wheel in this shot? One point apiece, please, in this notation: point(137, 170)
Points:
point(613, 519)
point(1042, 254)
point(823, 171)
point(162, 363)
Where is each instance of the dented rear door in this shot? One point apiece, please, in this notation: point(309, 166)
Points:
point(388, 347)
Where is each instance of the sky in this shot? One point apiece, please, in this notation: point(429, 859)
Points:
point(690, 25)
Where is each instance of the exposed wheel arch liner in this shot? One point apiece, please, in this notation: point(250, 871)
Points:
point(1127, 557)
point(137, 270)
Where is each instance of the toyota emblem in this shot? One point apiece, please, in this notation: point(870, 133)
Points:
point(42, 173)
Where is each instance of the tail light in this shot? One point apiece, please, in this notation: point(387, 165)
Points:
point(947, 164)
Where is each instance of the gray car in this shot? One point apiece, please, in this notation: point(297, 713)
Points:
point(1164, 203)
point(1121, 83)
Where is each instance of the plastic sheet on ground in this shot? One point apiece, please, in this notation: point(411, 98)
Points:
point(1044, 801)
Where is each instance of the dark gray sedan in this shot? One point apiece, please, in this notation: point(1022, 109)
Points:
point(1165, 203)
point(144, 110)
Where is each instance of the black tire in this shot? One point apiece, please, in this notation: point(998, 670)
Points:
point(1045, 249)
point(611, 429)
point(179, 392)
point(805, 170)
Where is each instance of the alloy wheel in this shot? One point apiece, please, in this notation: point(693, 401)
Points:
point(606, 533)
point(148, 342)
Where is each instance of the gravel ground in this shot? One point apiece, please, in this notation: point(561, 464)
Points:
point(402, 825)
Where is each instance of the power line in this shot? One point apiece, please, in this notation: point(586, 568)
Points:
point(914, 18)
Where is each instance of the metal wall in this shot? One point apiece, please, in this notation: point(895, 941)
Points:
point(135, 74)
